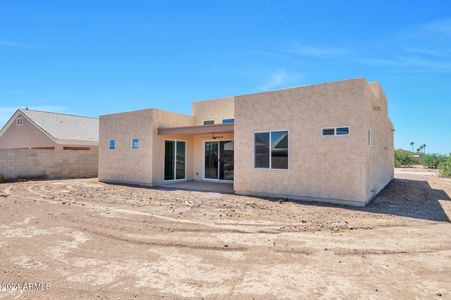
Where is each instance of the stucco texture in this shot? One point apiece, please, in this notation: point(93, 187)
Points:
point(330, 168)
point(25, 136)
point(343, 169)
point(217, 110)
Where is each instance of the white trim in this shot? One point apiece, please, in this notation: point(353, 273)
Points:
point(21, 121)
point(175, 160)
point(131, 143)
point(269, 152)
point(219, 156)
point(203, 122)
point(115, 144)
point(335, 131)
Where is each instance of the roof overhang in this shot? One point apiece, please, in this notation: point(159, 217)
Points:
point(200, 129)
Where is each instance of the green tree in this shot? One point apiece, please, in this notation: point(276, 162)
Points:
point(424, 148)
point(412, 144)
point(445, 167)
point(403, 158)
point(432, 160)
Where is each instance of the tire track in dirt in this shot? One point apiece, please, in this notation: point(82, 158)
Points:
point(162, 243)
point(46, 198)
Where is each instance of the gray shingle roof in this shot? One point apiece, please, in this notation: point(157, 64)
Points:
point(65, 127)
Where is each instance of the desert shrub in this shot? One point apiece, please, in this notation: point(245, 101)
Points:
point(403, 158)
point(432, 160)
point(445, 167)
point(2, 179)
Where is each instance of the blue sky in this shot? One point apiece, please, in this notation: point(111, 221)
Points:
point(98, 57)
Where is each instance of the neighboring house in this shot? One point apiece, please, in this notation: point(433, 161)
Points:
point(59, 145)
point(329, 142)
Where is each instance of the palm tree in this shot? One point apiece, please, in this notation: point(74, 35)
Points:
point(412, 144)
point(419, 149)
point(424, 148)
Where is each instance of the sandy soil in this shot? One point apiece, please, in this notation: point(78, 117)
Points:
point(89, 240)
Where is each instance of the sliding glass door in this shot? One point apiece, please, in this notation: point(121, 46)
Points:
point(218, 160)
point(211, 160)
point(174, 160)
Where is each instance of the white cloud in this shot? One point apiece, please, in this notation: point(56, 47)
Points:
point(317, 51)
point(279, 79)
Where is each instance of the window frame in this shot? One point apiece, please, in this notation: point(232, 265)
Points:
point(208, 120)
point(335, 131)
point(131, 143)
point(109, 144)
point(270, 152)
point(370, 137)
point(175, 160)
point(21, 121)
point(222, 121)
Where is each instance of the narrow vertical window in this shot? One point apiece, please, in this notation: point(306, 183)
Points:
point(370, 137)
point(112, 144)
point(135, 143)
point(180, 160)
point(169, 150)
point(279, 150)
point(261, 149)
point(19, 121)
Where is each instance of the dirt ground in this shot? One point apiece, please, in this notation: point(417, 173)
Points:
point(89, 240)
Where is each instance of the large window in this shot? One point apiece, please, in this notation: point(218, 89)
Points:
point(271, 150)
point(174, 160)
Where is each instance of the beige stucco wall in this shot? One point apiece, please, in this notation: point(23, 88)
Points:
point(329, 167)
point(341, 169)
point(25, 136)
point(19, 163)
point(144, 165)
point(125, 164)
point(217, 110)
point(380, 155)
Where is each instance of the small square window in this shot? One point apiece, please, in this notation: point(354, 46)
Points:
point(228, 121)
point(209, 122)
point(135, 143)
point(112, 144)
point(329, 131)
point(19, 121)
point(342, 131)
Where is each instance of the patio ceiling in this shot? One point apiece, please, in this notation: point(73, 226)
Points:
point(200, 129)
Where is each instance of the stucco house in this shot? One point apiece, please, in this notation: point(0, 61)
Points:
point(33, 129)
point(54, 145)
point(330, 142)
